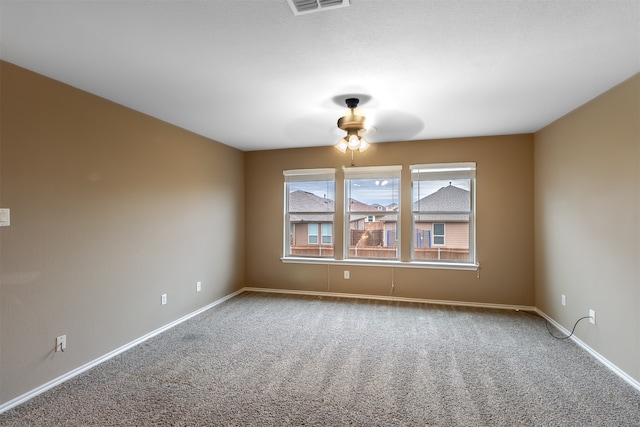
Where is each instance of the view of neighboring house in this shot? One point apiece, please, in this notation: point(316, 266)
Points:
point(310, 224)
point(375, 227)
point(441, 226)
point(441, 229)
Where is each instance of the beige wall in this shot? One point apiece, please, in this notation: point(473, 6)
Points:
point(109, 209)
point(504, 222)
point(587, 221)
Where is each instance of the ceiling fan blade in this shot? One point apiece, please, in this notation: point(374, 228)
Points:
point(393, 125)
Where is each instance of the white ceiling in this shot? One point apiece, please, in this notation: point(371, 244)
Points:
point(250, 74)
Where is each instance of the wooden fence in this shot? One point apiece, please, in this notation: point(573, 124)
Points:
point(434, 254)
point(312, 250)
point(379, 252)
point(327, 251)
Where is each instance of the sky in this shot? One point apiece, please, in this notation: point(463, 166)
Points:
point(319, 188)
point(372, 191)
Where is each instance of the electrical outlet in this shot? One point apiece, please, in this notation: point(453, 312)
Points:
point(5, 217)
point(163, 299)
point(592, 317)
point(564, 300)
point(61, 343)
point(198, 286)
point(346, 274)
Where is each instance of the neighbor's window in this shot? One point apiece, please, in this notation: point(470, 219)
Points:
point(438, 233)
point(443, 212)
point(309, 212)
point(313, 233)
point(327, 234)
point(372, 212)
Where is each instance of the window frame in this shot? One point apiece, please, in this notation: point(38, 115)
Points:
point(307, 175)
point(379, 173)
point(340, 237)
point(440, 172)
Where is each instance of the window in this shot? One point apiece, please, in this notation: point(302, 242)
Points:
point(438, 233)
point(443, 201)
point(327, 234)
point(372, 214)
point(312, 233)
point(309, 212)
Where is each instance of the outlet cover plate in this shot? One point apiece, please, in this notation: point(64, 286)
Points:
point(61, 343)
point(5, 217)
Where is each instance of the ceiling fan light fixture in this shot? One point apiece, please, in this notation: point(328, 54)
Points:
point(342, 145)
point(354, 125)
point(353, 140)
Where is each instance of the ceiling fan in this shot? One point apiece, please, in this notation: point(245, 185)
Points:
point(389, 125)
point(355, 126)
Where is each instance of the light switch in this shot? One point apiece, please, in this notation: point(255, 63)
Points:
point(5, 217)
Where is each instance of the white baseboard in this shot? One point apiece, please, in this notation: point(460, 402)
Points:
point(392, 298)
point(616, 370)
point(56, 381)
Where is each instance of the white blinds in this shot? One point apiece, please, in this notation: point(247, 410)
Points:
point(466, 170)
point(300, 175)
point(373, 172)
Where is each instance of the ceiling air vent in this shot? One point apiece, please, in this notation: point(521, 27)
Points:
point(300, 7)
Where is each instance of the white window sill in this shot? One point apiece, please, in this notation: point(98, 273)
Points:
point(382, 263)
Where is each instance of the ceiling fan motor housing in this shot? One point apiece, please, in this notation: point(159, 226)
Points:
point(352, 102)
point(352, 122)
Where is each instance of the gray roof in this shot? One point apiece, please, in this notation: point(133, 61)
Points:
point(357, 206)
point(446, 199)
point(303, 201)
